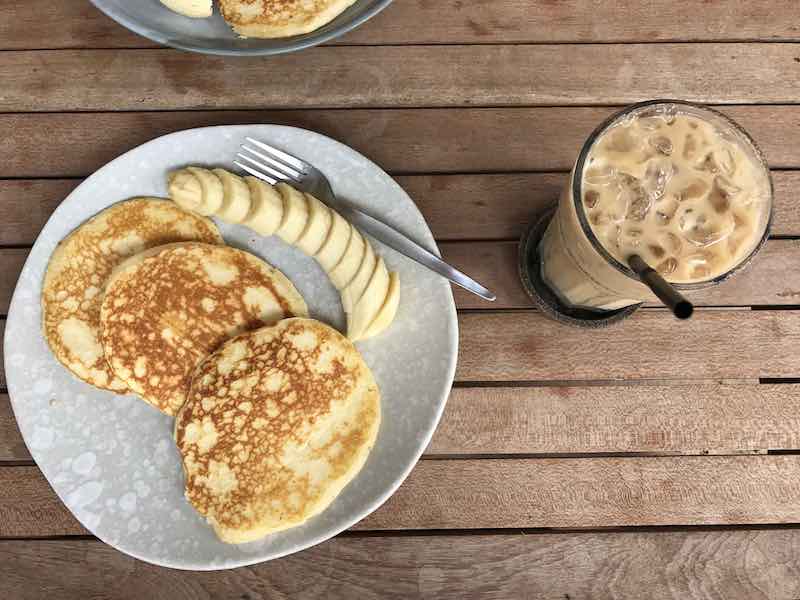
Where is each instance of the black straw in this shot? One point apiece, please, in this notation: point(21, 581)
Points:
point(679, 305)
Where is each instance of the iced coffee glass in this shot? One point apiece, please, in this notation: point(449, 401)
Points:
point(679, 184)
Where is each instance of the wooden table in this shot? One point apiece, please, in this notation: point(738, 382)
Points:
point(650, 460)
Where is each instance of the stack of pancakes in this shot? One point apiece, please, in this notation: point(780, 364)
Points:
point(266, 18)
point(277, 412)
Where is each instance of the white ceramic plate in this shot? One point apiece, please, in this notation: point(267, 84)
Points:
point(111, 458)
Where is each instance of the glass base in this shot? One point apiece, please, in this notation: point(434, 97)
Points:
point(545, 298)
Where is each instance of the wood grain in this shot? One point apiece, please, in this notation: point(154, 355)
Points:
point(399, 76)
point(771, 280)
point(490, 207)
point(400, 141)
point(43, 24)
point(690, 419)
point(690, 565)
point(518, 493)
point(686, 419)
point(720, 344)
point(12, 447)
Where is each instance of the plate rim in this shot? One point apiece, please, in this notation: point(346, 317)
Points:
point(293, 43)
point(372, 506)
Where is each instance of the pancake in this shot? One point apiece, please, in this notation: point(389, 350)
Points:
point(167, 309)
point(280, 18)
point(277, 422)
point(82, 263)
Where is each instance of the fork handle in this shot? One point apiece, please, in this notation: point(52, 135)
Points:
point(396, 240)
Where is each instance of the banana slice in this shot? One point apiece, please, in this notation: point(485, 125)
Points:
point(212, 190)
point(355, 289)
point(266, 207)
point(335, 244)
point(295, 213)
point(195, 189)
point(367, 307)
point(342, 274)
point(235, 197)
point(319, 223)
point(388, 311)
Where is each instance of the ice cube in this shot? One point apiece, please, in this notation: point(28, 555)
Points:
point(633, 197)
point(661, 144)
point(702, 229)
point(621, 140)
point(718, 198)
point(630, 237)
point(668, 266)
point(605, 175)
point(659, 172)
point(665, 210)
point(694, 191)
point(700, 264)
point(590, 198)
point(717, 161)
point(690, 147)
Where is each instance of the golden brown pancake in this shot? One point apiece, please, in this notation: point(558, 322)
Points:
point(276, 423)
point(280, 18)
point(167, 309)
point(81, 265)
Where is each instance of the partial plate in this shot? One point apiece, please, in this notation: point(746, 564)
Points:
point(153, 20)
point(111, 459)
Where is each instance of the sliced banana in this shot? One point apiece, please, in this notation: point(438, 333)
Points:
point(266, 207)
point(342, 274)
point(335, 244)
point(186, 191)
point(235, 197)
point(387, 312)
point(295, 213)
point(370, 293)
point(212, 190)
point(367, 307)
point(355, 289)
point(319, 223)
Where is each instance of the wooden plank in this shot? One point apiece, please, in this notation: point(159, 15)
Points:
point(713, 345)
point(494, 207)
point(690, 419)
point(12, 447)
point(770, 281)
point(516, 493)
point(724, 344)
point(401, 141)
point(43, 24)
point(399, 76)
point(11, 262)
point(690, 565)
point(456, 207)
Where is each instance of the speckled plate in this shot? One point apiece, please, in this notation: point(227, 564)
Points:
point(155, 21)
point(111, 458)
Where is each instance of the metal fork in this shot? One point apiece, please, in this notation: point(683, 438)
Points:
point(273, 165)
